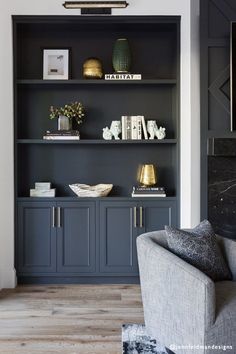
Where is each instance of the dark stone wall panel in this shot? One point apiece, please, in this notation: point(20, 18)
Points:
point(222, 195)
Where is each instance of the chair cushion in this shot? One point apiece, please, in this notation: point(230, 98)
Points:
point(224, 329)
point(225, 292)
point(199, 247)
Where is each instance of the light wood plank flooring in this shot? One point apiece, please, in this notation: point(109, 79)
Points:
point(70, 319)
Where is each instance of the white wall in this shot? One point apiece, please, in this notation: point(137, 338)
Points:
point(190, 190)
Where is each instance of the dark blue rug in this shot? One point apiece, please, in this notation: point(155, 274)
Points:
point(136, 341)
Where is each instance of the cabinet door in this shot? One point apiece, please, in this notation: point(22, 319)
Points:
point(118, 238)
point(36, 238)
point(154, 215)
point(76, 237)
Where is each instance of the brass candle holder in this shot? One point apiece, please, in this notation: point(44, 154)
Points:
point(148, 175)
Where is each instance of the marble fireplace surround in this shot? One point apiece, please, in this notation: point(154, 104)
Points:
point(222, 185)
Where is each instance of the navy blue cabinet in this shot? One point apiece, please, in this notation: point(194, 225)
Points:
point(76, 237)
point(121, 223)
point(86, 239)
point(118, 234)
point(36, 241)
point(155, 215)
point(56, 237)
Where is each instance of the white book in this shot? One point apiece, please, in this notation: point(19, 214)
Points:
point(42, 193)
point(134, 128)
point(148, 195)
point(139, 127)
point(126, 77)
point(61, 137)
point(124, 127)
point(45, 186)
point(144, 128)
point(128, 128)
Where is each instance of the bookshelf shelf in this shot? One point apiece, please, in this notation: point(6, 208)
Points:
point(97, 82)
point(97, 142)
point(109, 198)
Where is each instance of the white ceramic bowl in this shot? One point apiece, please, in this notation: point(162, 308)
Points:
point(85, 190)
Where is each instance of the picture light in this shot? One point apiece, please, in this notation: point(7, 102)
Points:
point(95, 7)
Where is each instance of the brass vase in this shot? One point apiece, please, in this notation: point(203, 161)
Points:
point(121, 58)
point(148, 176)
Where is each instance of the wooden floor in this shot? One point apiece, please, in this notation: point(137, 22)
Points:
point(67, 319)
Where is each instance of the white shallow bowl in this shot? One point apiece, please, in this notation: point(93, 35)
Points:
point(85, 190)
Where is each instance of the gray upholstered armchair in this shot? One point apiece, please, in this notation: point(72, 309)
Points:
point(183, 306)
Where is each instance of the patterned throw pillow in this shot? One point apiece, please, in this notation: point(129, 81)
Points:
point(199, 247)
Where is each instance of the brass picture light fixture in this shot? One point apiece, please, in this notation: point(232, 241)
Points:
point(95, 7)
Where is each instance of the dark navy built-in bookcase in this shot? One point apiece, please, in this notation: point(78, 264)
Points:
point(70, 239)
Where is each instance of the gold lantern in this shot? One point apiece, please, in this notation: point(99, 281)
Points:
point(92, 69)
point(148, 175)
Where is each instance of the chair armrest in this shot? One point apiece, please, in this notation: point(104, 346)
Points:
point(177, 297)
point(228, 247)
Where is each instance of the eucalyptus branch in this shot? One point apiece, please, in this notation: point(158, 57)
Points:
point(73, 110)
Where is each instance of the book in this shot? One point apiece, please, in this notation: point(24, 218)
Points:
point(148, 195)
point(123, 77)
point(128, 128)
point(43, 186)
point(148, 189)
point(42, 193)
point(131, 127)
point(134, 128)
point(123, 127)
point(139, 127)
point(148, 192)
point(144, 128)
point(62, 133)
point(61, 137)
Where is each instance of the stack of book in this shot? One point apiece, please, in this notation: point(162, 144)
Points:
point(43, 189)
point(133, 127)
point(148, 192)
point(62, 135)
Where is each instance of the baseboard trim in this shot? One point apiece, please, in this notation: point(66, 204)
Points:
point(77, 280)
point(8, 278)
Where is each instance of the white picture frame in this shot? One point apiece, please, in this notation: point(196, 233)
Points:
point(56, 64)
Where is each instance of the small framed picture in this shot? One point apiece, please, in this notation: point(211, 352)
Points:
point(56, 64)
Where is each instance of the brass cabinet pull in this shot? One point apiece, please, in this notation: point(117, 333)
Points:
point(141, 216)
point(135, 216)
point(53, 217)
point(58, 217)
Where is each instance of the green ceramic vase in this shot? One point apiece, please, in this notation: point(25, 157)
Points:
point(121, 58)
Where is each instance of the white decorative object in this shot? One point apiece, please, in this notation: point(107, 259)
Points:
point(161, 133)
point(42, 193)
point(116, 129)
point(154, 131)
point(107, 134)
point(152, 128)
point(85, 190)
